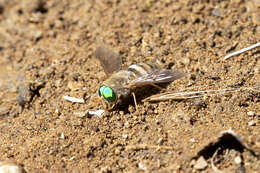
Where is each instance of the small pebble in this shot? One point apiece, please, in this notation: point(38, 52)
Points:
point(73, 99)
point(251, 123)
point(250, 113)
point(72, 158)
point(185, 61)
point(37, 35)
point(216, 12)
point(200, 164)
point(160, 141)
point(142, 166)
point(10, 167)
point(192, 140)
point(81, 114)
point(117, 151)
point(98, 113)
point(127, 125)
point(238, 160)
point(56, 110)
point(62, 136)
point(125, 136)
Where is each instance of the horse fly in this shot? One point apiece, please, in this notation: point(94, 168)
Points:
point(121, 83)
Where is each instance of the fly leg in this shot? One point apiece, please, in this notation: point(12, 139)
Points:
point(110, 108)
point(156, 86)
point(106, 107)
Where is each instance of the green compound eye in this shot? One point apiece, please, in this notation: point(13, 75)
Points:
point(107, 93)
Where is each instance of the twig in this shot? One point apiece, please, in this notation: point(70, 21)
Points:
point(188, 94)
point(194, 94)
point(146, 146)
point(242, 50)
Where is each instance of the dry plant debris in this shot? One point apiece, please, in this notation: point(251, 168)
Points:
point(242, 50)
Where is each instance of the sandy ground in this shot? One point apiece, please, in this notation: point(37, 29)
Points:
point(46, 52)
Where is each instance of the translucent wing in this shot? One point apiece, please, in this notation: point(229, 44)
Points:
point(157, 76)
point(110, 61)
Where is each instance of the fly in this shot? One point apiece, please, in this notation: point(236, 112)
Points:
point(121, 83)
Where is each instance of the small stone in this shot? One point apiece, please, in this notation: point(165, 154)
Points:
point(125, 136)
point(160, 141)
point(238, 160)
point(99, 113)
point(56, 110)
point(72, 158)
point(117, 151)
point(251, 123)
point(142, 166)
point(74, 85)
point(250, 113)
point(10, 167)
point(198, 8)
point(201, 163)
point(62, 136)
point(216, 12)
point(185, 61)
point(38, 35)
point(75, 36)
point(192, 140)
point(127, 125)
point(81, 114)
point(73, 99)
point(58, 23)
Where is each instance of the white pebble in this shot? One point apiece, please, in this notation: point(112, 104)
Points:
point(73, 99)
point(125, 136)
point(201, 163)
point(192, 140)
point(238, 160)
point(10, 167)
point(250, 113)
point(251, 123)
point(142, 166)
point(98, 113)
point(80, 114)
point(56, 110)
point(62, 136)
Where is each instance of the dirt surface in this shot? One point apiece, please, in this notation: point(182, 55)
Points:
point(46, 50)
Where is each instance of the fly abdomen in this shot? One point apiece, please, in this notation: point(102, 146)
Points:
point(141, 69)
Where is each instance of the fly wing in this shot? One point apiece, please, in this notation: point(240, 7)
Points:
point(110, 61)
point(158, 76)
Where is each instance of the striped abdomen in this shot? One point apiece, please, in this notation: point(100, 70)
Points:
point(142, 69)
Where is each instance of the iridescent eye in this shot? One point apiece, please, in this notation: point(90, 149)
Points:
point(107, 93)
